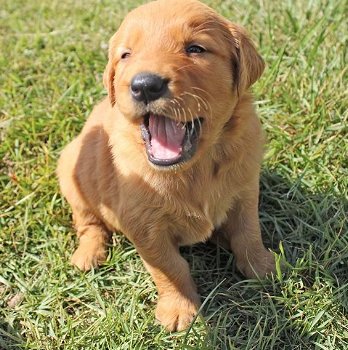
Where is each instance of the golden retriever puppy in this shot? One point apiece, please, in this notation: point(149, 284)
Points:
point(174, 152)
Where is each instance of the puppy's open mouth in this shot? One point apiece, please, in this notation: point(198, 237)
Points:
point(167, 141)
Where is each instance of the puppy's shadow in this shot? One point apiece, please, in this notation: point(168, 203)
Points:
point(10, 337)
point(253, 312)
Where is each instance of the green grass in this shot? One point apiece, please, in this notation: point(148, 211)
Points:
point(52, 58)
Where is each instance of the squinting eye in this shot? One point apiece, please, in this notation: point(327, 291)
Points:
point(125, 55)
point(195, 49)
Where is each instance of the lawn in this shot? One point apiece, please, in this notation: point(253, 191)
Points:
point(52, 56)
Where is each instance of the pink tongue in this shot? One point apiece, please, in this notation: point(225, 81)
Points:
point(166, 137)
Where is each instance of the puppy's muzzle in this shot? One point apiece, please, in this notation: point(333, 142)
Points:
point(168, 141)
point(146, 87)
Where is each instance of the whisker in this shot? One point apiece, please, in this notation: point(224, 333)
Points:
point(176, 112)
point(200, 125)
point(207, 106)
point(184, 112)
point(206, 102)
point(203, 102)
point(172, 110)
point(179, 105)
point(200, 89)
point(183, 67)
point(195, 97)
point(201, 99)
point(180, 98)
point(189, 109)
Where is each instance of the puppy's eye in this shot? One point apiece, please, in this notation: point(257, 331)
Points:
point(195, 49)
point(125, 55)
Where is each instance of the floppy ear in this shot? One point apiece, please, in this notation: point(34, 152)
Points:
point(109, 73)
point(249, 64)
point(108, 80)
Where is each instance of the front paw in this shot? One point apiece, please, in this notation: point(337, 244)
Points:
point(259, 265)
point(88, 256)
point(175, 312)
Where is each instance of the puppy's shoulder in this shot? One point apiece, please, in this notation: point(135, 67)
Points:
point(99, 115)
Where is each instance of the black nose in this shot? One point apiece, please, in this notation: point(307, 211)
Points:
point(146, 87)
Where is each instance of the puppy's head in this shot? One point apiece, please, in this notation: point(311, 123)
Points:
point(176, 69)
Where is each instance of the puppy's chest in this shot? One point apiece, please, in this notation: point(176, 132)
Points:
point(199, 214)
point(187, 214)
point(192, 218)
point(196, 223)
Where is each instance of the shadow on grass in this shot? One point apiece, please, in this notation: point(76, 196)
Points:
point(297, 310)
point(10, 338)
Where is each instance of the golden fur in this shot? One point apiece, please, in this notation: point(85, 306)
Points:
point(110, 184)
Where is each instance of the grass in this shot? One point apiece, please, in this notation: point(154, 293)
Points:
point(51, 61)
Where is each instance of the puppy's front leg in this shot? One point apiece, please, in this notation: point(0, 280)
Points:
point(178, 299)
point(93, 238)
point(242, 230)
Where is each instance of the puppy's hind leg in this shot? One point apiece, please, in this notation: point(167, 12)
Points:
point(242, 229)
